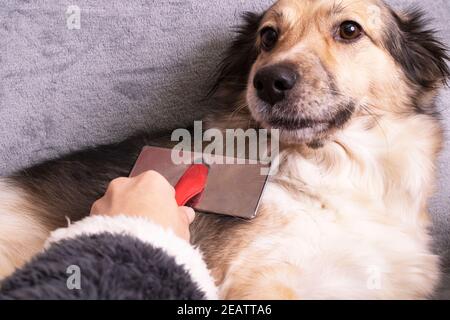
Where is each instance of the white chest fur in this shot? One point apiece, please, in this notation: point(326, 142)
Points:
point(346, 221)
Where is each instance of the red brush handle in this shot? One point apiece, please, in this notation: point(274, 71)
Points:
point(191, 184)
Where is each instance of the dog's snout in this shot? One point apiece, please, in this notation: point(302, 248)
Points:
point(272, 83)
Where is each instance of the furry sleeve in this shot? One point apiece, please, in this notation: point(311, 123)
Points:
point(113, 258)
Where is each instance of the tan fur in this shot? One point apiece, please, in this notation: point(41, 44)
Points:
point(358, 201)
point(334, 216)
point(17, 215)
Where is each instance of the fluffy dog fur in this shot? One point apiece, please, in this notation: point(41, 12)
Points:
point(346, 216)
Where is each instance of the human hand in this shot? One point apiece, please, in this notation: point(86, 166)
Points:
point(148, 196)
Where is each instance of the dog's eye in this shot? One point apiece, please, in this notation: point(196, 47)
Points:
point(269, 38)
point(350, 30)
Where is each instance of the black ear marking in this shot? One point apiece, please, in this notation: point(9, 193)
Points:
point(415, 47)
point(232, 72)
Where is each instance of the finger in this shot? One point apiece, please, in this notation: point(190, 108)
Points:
point(187, 236)
point(189, 214)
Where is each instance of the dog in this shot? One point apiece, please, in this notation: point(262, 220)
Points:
point(351, 87)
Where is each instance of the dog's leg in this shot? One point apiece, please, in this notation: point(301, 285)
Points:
point(21, 233)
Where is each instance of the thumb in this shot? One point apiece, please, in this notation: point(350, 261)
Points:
point(189, 213)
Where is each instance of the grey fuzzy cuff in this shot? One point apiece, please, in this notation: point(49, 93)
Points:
point(111, 267)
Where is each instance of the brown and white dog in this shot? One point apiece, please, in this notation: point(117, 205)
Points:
point(351, 86)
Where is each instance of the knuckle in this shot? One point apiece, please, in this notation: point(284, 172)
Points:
point(117, 182)
point(154, 178)
point(95, 206)
point(155, 181)
point(151, 175)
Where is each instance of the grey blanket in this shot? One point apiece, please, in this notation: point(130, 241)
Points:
point(132, 65)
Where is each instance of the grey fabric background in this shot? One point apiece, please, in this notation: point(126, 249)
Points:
point(134, 64)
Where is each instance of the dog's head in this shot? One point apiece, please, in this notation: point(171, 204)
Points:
point(308, 67)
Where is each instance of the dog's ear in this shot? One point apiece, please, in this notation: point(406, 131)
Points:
point(232, 73)
point(415, 47)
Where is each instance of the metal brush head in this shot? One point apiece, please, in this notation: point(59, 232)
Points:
point(232, 189)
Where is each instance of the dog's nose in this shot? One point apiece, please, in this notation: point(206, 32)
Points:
point(272, 83)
